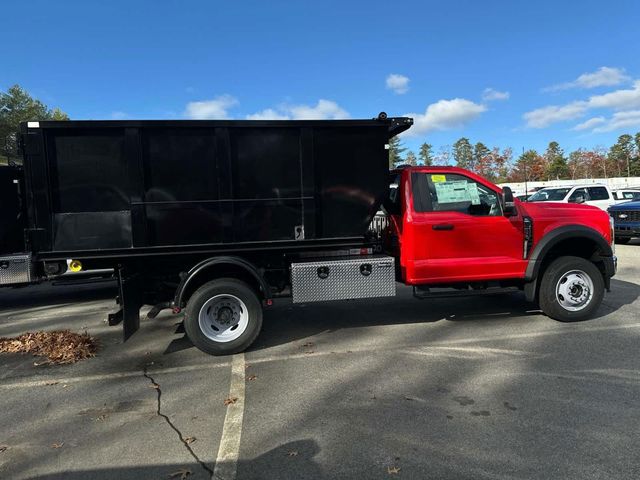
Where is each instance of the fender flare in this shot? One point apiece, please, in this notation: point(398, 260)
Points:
point(211, 262)
point(557, 235)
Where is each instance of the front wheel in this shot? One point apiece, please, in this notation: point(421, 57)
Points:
point(571, 289)
point(223, 317)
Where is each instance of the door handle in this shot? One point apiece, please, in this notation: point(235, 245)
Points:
point(443, 226)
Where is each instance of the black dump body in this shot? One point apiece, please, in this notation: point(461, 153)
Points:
point(100, 189)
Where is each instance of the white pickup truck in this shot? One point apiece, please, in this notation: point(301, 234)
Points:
point(597, 195)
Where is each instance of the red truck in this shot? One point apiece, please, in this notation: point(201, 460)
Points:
point(216, 219)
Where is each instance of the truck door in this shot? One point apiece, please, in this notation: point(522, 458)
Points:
point(600, 197)
point(459, 232)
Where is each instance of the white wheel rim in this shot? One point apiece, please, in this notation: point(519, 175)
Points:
point(574, 290)
point(223, 318)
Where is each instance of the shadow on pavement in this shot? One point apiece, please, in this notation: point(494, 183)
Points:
point(294, 457)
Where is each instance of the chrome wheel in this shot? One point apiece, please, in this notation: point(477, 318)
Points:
point(574, 290)
point(223, 318)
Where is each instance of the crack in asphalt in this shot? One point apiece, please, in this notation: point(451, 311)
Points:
point(156, 386)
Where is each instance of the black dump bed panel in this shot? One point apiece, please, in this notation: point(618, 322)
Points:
point(12, 220)
point(142, 185)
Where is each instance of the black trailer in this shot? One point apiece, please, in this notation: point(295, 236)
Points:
point(214, 216)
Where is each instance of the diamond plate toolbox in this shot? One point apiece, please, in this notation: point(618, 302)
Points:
point(364, 277)
point(15, 269)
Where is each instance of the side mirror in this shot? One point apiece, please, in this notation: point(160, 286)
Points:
point(508, 203)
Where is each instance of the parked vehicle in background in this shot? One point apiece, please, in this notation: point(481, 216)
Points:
point(627, 194)
point(626, 219)
point(595, 195)
point(524, 198)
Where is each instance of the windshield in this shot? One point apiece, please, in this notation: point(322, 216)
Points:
point(549, 195)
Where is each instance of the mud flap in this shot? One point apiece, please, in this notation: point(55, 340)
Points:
point(130, 299)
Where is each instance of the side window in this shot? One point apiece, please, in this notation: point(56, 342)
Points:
point(578, 192)
point(453, 193)
point(598, 193)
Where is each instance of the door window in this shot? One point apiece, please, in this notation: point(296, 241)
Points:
point(598, 193)
point(450, 192)
point(579, 192)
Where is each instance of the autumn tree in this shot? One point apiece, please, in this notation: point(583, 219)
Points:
point(463, 153)
point(555, 162)
point(483, 161)
point(396, 149)
point(16, 106)
point(443, 157)
point(529, 167)
point(425, 154)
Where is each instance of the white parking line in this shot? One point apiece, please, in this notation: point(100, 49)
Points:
point(229, 449)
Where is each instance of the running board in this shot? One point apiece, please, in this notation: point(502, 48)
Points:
point(423, 293)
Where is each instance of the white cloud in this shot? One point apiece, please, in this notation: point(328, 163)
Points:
point(619, 99)
point(323, 110)
point(268, 114)
point(545, 116)
point(214, 109)
point(398, 83)
point(589, 124)
point(620, 120)
point(445, 114)
point(118, 115)
point(489, 94)
point(603, 77)
point(623, 99)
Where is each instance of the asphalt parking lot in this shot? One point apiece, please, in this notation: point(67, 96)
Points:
point(394, 388)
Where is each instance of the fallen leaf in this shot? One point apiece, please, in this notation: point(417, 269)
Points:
point(308, 344)
point(58, 347)
point(154, 385)
point(190, 440)
point(183, 473)
point(57, 445)
point(393, 470)
point(52, 383)
point(102, 417)
point(292, 453)
point(252, 377)
point(309, 352)
point(3, 448)
point(230, 400)
point(247, 366)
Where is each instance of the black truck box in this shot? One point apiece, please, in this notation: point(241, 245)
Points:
point(98, 188)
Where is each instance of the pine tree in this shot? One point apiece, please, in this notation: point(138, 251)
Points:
point(556, 163)
point(482, 160)
point(16, 106)
point(396, 149)
point(463, 153)
point(426, 154)
point(621, 154)
point(411, 159)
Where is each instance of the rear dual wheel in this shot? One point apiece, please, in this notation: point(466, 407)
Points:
point(571, 289)
point(223, 317)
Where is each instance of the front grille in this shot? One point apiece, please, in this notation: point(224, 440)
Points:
point(624, 216)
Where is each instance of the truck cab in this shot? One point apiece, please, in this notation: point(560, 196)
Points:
point(452, 228)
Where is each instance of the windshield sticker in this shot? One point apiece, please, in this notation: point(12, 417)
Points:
point(457, 191)
point(438, 178)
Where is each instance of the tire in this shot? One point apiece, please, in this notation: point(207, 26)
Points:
point(567, 275)
point(623, 240)
point(217, 305)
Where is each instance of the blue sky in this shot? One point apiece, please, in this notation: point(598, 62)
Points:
point(556, 70)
